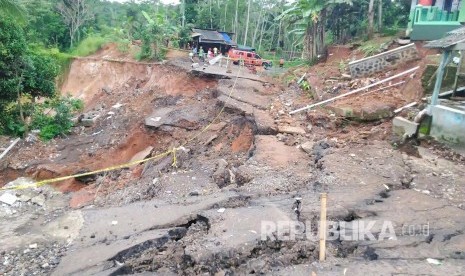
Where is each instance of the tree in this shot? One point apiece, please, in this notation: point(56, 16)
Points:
point(12, 54)
point(12, 8)
point(309, 17)
point(247, 23)
point(22, 72)
point(371, 16)
point(44, 24)
point(75, 14)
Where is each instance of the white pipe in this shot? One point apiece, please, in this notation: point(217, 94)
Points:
point(355, 91)
point(404, 107)
point(9, 148)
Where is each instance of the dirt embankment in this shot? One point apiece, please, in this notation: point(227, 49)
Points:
point(91, 77)
point(120, 95)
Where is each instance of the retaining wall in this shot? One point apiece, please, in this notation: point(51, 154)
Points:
point(380, 62)
point(448, 124)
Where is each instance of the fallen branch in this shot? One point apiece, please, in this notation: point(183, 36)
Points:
point(355, 91)
point(9, 148)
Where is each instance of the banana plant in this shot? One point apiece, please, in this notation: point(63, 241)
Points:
point(308, 18)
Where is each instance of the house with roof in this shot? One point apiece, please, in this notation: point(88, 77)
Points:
point(208, 38)
point(432, 19)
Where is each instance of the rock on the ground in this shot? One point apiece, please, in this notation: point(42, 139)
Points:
point(39, 200)
point(307, 147)
point(291, 130)
point(221, 174)
point(235, 105)
point(8, 198)
point(186, 117)
point(265, 123)
point(141, 155)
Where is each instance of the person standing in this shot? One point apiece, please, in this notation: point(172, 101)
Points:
point(215, 51)
point(210, 53)
point(201, 54)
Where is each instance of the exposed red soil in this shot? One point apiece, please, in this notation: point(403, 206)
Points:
point(243, 142)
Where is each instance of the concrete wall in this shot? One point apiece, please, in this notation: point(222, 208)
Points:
point(380, 62)
point(448, 124)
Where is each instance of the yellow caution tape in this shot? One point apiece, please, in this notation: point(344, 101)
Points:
point(126, 165)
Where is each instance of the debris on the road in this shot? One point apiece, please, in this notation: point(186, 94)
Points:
point(291, 130)
point(355, 91)
point(307, 147)
point(250, 158)
point(39, 200)
point(8, 198)
point(434, 261)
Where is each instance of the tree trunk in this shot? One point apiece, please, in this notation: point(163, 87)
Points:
point(183, 7)
point(371, 16)
point(308, 42)
point(247, 24)
point(225, 14)
point(21, 113)
point(235, 18)
point(261, 34)
point(256, 28)
point(211, 16)
point(380, 16)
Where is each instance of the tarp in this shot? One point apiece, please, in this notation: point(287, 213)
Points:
point(227, 38)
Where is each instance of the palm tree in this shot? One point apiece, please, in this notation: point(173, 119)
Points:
point(308, 18)
point(13, 8)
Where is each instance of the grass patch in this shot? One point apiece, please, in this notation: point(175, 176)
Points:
point(89, 45)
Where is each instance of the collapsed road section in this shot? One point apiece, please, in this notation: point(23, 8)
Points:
point(226, 204)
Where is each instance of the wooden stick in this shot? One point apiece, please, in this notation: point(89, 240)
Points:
point(9, 148)
point(323, 228)
point(355, 91)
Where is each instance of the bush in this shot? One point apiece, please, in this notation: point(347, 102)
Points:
point(59, 123)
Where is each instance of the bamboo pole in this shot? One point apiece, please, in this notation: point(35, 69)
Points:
point(323, 228)
point(355, 91)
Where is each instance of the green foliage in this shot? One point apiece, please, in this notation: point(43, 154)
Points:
point(369, 48)
point(44, 25)
point(12, 56)
point(53, 118)
point(10, 124)
point(305, 85)
point(342, 66)
point(14, 9)
point(39, 77)
point(89, 45)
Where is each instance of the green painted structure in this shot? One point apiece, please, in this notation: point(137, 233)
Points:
point(448, 122)
point(433, 22)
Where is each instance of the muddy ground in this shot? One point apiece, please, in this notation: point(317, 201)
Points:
point(241, 162)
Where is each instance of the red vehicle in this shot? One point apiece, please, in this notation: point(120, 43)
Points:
point(249, 58)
